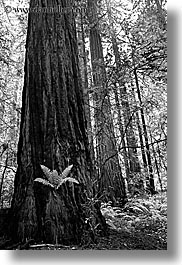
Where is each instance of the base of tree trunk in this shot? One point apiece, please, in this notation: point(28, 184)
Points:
point(67, 216)
point(4, 221)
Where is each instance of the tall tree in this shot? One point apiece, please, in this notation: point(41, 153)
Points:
point(52, 132)
point(147, 62)
point(133, 161)
point(83, 62)
point(110, 177)
point(150, 184)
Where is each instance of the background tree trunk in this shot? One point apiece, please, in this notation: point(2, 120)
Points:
point(84, 74)
point(111, 183)
point(133, 161)
point(52, 132)
point(150, 184)
point(122, 132)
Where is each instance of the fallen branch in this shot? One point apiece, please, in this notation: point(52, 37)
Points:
point(48, 245)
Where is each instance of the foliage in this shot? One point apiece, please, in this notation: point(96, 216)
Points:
point(12, 47)
point(140, 225)
point(53, 179)
point(7, 187)
point(147, 214)
point(135, 47)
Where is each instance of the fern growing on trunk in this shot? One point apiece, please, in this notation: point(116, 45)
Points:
point(53, 179)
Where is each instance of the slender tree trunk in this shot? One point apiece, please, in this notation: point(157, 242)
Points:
point(125, 154)
point(151, 178)
point(161, 158)
point(2, 112)
point(111, 181)
point(84, 75)
point(2, 178)
point(134, 165)
point(130, 135)
point(140, 132)
point(52, 132)
point(156, 163)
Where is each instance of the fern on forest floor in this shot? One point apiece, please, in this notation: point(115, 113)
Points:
point(148, 215)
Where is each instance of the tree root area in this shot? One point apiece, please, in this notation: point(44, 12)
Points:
point(139, 240)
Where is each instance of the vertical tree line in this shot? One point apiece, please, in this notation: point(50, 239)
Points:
point(117, 77)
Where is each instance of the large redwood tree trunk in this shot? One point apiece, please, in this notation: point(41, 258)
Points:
point(52, 133)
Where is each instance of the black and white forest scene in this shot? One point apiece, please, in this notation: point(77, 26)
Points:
point(83, 125)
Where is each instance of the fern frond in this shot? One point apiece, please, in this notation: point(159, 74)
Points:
point(52, 176)
point(73, 180)
point(44, 182)
point(55, 178)
point(66, 172)
point(55, 173)
point(47, 172)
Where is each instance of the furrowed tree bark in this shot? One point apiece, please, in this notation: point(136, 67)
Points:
point(110, 181)
point(52, 133)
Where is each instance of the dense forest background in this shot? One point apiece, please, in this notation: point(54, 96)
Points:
point(122, 49)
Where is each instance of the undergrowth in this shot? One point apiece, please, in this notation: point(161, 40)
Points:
point(143, 218)
point(140, 225)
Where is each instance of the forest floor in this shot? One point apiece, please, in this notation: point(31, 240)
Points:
point(140, 225)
